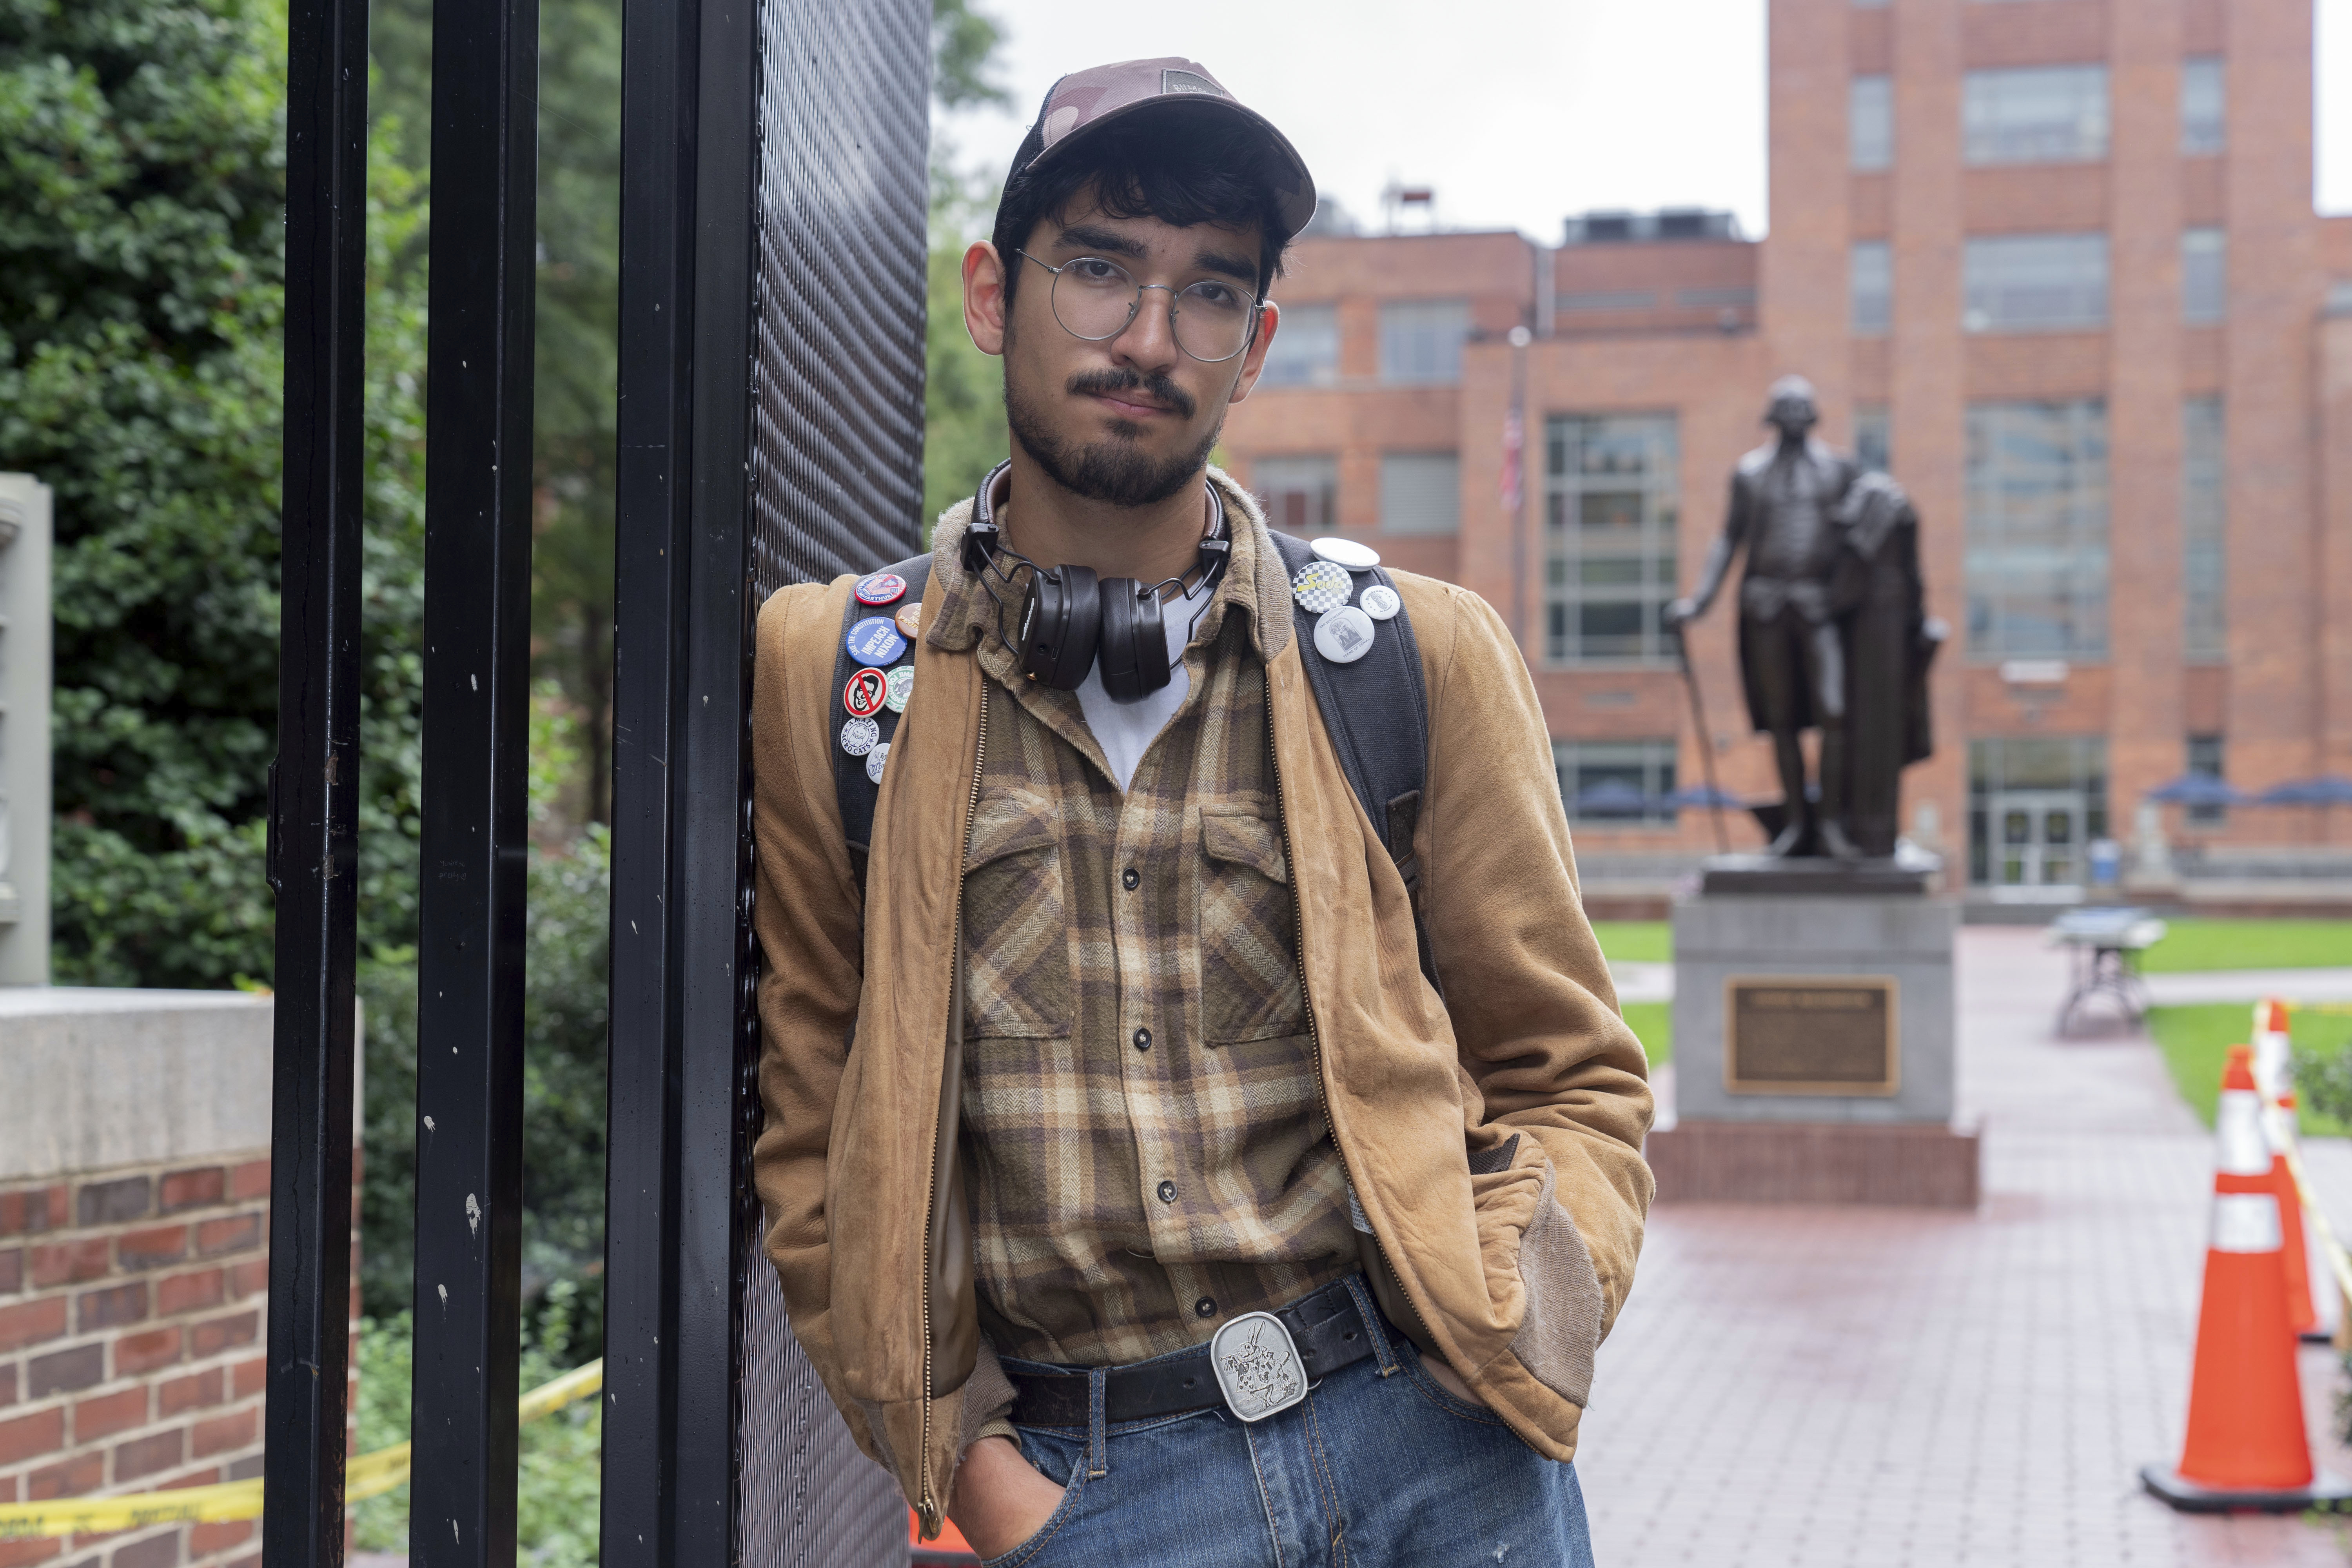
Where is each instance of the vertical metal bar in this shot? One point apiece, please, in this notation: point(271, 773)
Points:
point(477, 694)
point(673, 1240)
point(313, 797)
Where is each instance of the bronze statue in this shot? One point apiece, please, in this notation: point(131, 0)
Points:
point(1832, 630)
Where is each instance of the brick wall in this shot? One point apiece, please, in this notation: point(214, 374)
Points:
point(131, 1338)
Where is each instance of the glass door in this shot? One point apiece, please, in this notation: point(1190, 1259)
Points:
point(2037, 837)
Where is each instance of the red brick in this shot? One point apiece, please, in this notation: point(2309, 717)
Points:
point(30, 1322)
point(109, 1413)
point(64, 1371)
point(12, 1271)
point(110, 1308)
point(70, 1478)
point(70, 1262)
point(145, 1455)
point(155, 1551)
point(28, 1436)
point(28, 1211)
point(191, 1393)
point(113, 1203)
point(146, 1248)
point(8, 1383)
point(190, 1292)
point(248, 1378)
point(203, 1540)
point(212, 1338)
point(238, 1233)
point(193, 1189)
point(136, 1354)
point(207, 1477)
point(246, 1469)
point(251, 1278)
point(235, 1430)
point(23, 1553)
point(250, 1179)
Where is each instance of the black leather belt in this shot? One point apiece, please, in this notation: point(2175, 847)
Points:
point(1326, 1326)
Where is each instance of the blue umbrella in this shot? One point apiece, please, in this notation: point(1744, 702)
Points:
point(2327, 789)
point(1612, 797)
point(1699, 797)
point(2198, 789)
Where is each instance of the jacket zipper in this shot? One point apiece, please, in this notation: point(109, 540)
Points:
point(933, 1511)
point(1307, 997)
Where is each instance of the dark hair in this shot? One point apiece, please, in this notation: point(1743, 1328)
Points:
point(1204, 169)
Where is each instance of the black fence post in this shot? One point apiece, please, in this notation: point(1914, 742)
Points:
point(478, 498)
point(314, 786)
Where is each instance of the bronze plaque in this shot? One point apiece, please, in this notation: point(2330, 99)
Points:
point(1794, 1034)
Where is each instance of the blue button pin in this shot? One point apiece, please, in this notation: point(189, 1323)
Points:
point(874, 641)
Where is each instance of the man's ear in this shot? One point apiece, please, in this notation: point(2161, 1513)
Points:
point(1269, 317)
point(983, 297)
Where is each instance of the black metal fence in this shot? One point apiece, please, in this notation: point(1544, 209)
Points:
point(774, 191)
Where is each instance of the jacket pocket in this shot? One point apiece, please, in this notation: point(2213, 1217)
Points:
point(1017, 982)
point(1249, 973)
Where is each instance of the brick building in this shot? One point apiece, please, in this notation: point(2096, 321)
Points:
point(2052, 262)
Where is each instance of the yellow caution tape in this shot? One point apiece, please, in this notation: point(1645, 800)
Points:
point(369, 1475)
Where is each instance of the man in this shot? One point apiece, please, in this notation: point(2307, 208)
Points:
point(1785, 500)
point(1125, 1039)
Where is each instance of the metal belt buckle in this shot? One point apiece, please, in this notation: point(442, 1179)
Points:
point(1258, 1366)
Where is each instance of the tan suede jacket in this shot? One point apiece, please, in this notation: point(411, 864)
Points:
point(1514, 1274)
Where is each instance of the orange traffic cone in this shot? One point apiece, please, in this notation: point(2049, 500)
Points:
point(2321, 1295)
point(2246, 1447)
point(950, 1550)
point(2273, 1054)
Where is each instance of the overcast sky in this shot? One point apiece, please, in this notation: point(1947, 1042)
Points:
point(1518, 111)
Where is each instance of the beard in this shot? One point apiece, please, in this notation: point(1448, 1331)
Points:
point(1116, 471)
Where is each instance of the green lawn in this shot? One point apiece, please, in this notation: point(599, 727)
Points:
point(1654, 1025)
point(2196, 1041)
point(2197, 944)
point(1641, 942)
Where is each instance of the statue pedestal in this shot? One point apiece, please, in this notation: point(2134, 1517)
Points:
point(1814, 1039)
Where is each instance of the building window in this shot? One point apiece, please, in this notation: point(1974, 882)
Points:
point(1421, 492)
point(1420, 340)
point(2034, 114)
point(2202, 100)
point(1300, 495)
point(1616, 782)
point(2035, 282)
point(2204, 515)
point(2204, 274)
point(1870, 288)
point(1870, 123)
point(2034, 803)
point(2037, 529)
point(1613, 502)
point(1871, 436)
point(1305, 348)
point(2205, 761)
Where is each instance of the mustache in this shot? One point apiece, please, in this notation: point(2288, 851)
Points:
point(1126, 378)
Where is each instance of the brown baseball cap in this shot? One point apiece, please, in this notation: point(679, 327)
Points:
point(1168, 86)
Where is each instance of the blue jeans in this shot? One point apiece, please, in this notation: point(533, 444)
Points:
point(1377, 1466)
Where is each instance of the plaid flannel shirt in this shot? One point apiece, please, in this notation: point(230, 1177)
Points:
point(1132, 1191)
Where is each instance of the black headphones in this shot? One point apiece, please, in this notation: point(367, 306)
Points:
point(1070, 617)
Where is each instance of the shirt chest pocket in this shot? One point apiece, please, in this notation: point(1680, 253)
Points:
point(1249, 973)
point(1017, 923)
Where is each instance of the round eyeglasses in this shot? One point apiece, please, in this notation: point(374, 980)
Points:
point(1097, 299)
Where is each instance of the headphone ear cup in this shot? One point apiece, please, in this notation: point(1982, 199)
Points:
point(1060, 624)
point(1134, 640)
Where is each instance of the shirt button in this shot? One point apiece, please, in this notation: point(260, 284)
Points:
point(1206, 1307)
point(1167, 1192)
point(1142, 1040)
point(1128, 878)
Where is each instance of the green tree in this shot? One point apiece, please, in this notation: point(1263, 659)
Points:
point(142, 195)
point(963, 389)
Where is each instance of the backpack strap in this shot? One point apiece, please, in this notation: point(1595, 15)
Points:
point(1376, 711)
point(852, 788)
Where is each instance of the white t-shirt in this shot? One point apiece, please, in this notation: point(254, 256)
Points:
point(1125, 730)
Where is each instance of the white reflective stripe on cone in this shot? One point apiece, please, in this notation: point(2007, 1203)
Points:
point(2245, 1222)
point(2244, 1151)
point(2274, 1061)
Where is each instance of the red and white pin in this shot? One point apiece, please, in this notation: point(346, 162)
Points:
point(881, 588)
point(866, 691)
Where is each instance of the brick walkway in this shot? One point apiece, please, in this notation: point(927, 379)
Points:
point(1822, 1385)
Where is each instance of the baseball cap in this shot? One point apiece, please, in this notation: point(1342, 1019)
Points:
point(1079, 102)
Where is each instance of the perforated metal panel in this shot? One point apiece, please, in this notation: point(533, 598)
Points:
point(836, 471)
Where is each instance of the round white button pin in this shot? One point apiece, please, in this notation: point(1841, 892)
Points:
point(1379, 601)
point(1344, 635)
point(1355, 556)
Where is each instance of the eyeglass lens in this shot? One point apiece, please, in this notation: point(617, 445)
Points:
point(1094, 299)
